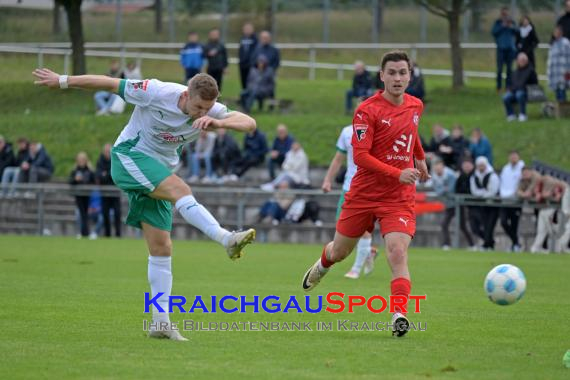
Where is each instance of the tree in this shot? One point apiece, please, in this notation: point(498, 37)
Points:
point(73, 11)
point(452, 11)
point(56, 24)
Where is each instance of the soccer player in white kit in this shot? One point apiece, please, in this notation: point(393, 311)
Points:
point(166, 116)
point(364, 252)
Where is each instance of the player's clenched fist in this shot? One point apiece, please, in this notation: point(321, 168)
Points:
point(409, 176)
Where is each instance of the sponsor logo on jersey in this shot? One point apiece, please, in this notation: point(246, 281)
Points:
point(360, 130)
point(170, 138)
point(140, 85)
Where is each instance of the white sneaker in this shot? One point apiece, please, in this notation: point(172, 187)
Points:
point(523, 117)
point(353, 275)
point(445, 247)
point(102, 112)
point(267, 187)
point(511, 118)
point(313, 276)
point(92, 236)
point(166, 334)
point(400, 324)
point(238, 241)
point(232, 178)
point(208, 180)
point(193, 179)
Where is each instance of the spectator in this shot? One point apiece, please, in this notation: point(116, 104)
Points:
point(548, 190)
point(225, 155)
point(109, 203)
point(480, 146)
point(510, 178)
point(203, 150)
point(522, 77)
point(133, 71)
point(82, 175)
point(247, 45)
point(11, 174)
point(456, 148)
point(281, 145)
point(527, 39)
point(564, 20)
point(7, 158)
point(484, 184)
point(104, 99)
point(274, 210)
point(266, 48)
point(443, 182)
point(260, 85)
point(95, 213)
point(38, 166)
point(295, 170)
point(562, 243)
point(192, 56)
point(217, 56)
point(463, 186)
point(416, 86)
point(254, 151)
point(361, 85)
point(438, 143)
point(558, 65)
point(504, 30)
point(528, 183)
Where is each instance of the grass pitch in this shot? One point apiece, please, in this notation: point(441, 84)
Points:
point(74, 309)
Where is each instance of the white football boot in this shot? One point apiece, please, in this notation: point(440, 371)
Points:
point(238, 241)
point(400, 324)
point(313, 276)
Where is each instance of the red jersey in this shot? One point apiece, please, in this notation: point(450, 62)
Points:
point(388, 133)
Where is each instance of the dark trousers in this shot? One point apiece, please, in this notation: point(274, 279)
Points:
point(274, 162)
point(510, 217)
point(482, 221)
point(504, 58)
point(247, 162)
point(83, 207)
point(243, 74)
point(190, 73)
point(34, 174)
point(448, 217)
point(108, 204)
point(224, 162)
point(217, 75)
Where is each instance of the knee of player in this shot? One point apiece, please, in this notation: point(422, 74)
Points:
point(397, 251)
point(162, 248)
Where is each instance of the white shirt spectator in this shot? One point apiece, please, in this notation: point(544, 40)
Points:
point(296, 166)
point(488, 180)
point(132, 72)
point(510, 178)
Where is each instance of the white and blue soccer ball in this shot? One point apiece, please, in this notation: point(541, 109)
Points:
point(505, 284)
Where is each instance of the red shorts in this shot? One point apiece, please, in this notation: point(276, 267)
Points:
point(353, 222)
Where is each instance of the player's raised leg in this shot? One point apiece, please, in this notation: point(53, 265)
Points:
point(176, 191)
point(397, 244)
point(160, 280)
point(333, 252)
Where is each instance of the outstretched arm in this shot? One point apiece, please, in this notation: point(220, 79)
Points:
point(48, 78)
point(234, 120)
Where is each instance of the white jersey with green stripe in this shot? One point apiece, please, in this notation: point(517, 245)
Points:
point(344, 145)
point(162, 127)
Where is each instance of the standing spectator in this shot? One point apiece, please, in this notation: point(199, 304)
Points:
point(522, 77)
point(562, 243)
point(108, 203)
point(203, 150)
point(82, 175)
point(564, 20)
point(361, 85)
point(281, 145)
point(192, 56)
point(38, 166)
point(558, 65)
point(457, 149)
point(226, 154)
point(295, 170)
point(438, 143)
point(95, 214)
point(443, 181)
point(527, 39)
point(260, 85)
point(133, 71)
point(504, 30)
point(247, 45)
point(7, 158)
point(266, 48)
point(217, 56)
point(510, 178)
point(11, 174)
point(105, 99)
point(480, 146)
point(416, 86)
point(485, 185)
point(549, 190)
point(463, 186)
point(254, 151)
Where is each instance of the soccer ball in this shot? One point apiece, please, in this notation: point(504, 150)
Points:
point(505, 284)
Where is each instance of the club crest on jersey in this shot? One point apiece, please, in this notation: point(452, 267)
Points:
point(416, 119)
point(140, 85)
point(360, 130)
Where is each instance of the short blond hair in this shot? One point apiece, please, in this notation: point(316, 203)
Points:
point(204, 86)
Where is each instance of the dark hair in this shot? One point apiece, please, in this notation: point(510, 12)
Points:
point(395, 56)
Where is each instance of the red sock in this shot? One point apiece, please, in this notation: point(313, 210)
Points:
point(401, 287)
point(324, 261)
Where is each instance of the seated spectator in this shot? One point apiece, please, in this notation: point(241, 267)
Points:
point(202, 152)
point(361, 85)
point(133, 71)
point(454, 150)
point(516, 92)
point(480, 146)
point(82, 175)
point(225, 155)
point(439, 138)
point(108, 203)
point(558, 65)
point(562, 243)
point(105, 99)
point(548, 189)
point(254, 151)
point(281, 145)
point(273, 211)
point(295, 170)
point(260, 84)
point(510, 178)
point(7, 158)
point(266, 48)
point(416, 86)
point(37, 167)
point(443, 182)
point(11, 174)
point(484, 184)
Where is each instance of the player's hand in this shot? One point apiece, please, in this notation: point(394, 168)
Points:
point(409, 176)
point(206, 123)
point(327, 186)
point(46, 77)
point(422, 168)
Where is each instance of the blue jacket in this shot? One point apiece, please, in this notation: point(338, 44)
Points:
point(505, 36)
point(192, 56)
point(247, 47)
point(283, 146)
point(482, 148)
point(255, 144)
point(270, 52)
point(41, 160)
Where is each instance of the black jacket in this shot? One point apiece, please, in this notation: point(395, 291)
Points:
point(564, 22)
point(459, 146)
point(361, 82)
point(522, 77)
point(41, 160)
point(87, 176)
point(216, 54)
point(247, 46)
point(103, 171)
point(6, 157)
point(462, 185)
point(527, 44)
point(226, 148)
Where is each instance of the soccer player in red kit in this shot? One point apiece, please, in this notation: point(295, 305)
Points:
point(386, 147)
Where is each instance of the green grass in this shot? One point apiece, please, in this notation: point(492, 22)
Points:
point(74, 309)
